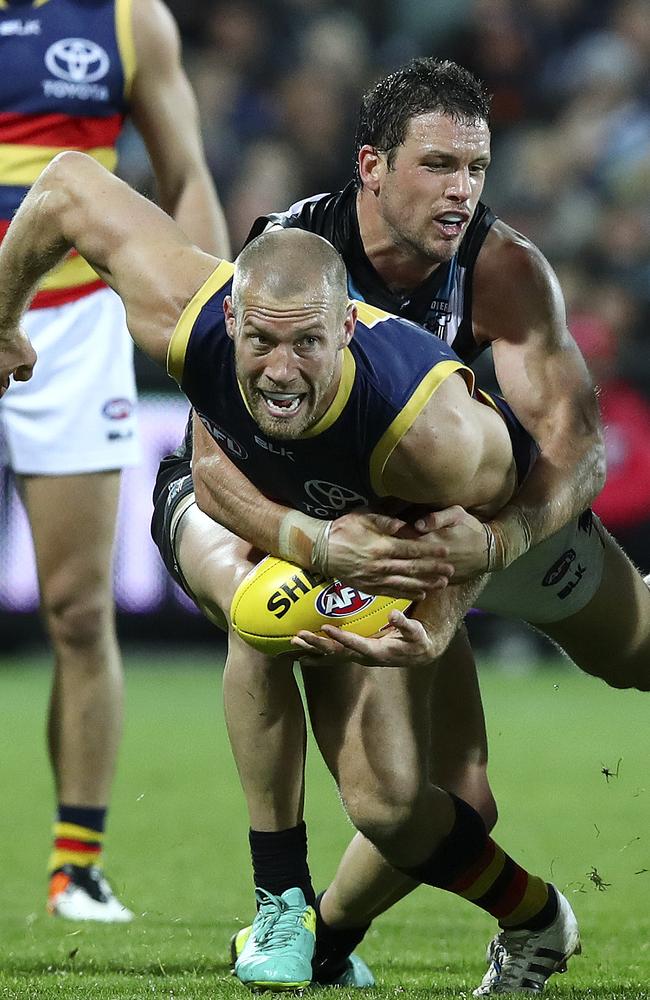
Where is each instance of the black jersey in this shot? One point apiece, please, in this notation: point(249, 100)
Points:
point(442, 304)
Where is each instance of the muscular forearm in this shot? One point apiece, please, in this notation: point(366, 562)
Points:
point(196, 209)
point(362, 549)
point(559, 487)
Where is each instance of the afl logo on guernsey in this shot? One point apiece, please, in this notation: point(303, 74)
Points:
point(117, 409)
point(77, 64)
point(339, 601)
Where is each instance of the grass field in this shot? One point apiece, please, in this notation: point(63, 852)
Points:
point(178, 845)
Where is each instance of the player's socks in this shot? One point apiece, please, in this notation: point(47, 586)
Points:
point(78, 837)
point(280, 861)
point(333, 947)
point(470, 864)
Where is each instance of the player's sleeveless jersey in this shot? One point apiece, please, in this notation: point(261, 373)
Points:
point(67, 66)
point(442, 303)
point(390, 371)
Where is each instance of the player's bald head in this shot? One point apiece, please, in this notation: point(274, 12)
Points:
point(290, 266)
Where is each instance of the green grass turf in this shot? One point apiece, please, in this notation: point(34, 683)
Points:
point(178, 846)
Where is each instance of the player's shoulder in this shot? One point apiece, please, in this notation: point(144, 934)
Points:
point(507, 255)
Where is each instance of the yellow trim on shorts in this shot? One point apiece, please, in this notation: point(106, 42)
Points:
point(180, 338)
point(126, 42)
point(21, 165)
point(408, 414)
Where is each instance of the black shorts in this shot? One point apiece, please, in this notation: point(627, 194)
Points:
point(173, 484)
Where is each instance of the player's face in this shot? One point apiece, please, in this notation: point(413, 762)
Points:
point(288, 363)
point(428, 195)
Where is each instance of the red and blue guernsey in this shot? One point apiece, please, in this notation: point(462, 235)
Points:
point(390, 370)
point(67, 66)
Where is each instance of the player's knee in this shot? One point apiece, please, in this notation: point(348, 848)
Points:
point(79, 622)
point(382, 812)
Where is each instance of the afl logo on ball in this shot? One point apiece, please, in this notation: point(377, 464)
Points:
point(339, 601)
point(117, 409)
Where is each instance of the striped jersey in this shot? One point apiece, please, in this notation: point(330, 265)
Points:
point(390, 370)
point(67, 66)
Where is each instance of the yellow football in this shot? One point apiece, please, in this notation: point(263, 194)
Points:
point(277, 599)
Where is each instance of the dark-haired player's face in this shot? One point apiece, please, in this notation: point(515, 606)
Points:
point(430, 191)
point(288, 360)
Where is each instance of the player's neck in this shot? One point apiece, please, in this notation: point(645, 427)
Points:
point(399, 265)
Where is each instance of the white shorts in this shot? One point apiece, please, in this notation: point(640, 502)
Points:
point(77, 412)
point(554, 580)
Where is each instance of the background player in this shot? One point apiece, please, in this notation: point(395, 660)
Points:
point(71, 72)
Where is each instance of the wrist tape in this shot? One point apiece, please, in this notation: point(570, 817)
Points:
point(507, 538)
point(304, 540)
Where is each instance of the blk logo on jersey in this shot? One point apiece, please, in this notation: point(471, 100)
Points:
point(20, 27)
point(78, 64)
point(339, 601)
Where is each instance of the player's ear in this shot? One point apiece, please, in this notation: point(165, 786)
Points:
point(349, 323)
point(371, 167)
point(229, 313)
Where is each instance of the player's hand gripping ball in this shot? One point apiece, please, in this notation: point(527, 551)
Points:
point(277, 599)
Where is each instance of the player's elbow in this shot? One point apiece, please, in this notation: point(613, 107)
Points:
point(61, 185)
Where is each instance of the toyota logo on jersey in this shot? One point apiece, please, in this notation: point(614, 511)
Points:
point(339, 601)
point(331, 496)
point(77, 60)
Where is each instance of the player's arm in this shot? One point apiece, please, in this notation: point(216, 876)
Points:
point(457, 451)
point(518, 306)
point(163, 108)
point(544, 378)
point(361, 549)
point(133, 245)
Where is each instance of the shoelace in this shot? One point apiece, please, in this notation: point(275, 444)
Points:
point(269, 919)
point(510, 958)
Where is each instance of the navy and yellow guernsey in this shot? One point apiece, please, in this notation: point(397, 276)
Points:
point(390, 371)
point(67, 68)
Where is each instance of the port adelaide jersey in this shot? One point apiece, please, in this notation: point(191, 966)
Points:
point(67, 67)
point(442, 304)
point(390, 370)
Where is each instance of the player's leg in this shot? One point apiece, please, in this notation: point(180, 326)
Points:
point(72, 520)
point(266, 727)
point(610, 636)
point(365, 885)
point(378, 751)
point(68, 429)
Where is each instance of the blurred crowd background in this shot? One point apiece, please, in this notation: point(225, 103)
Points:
point(279, 83)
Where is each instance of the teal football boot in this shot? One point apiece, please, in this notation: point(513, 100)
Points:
point(276, 952)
